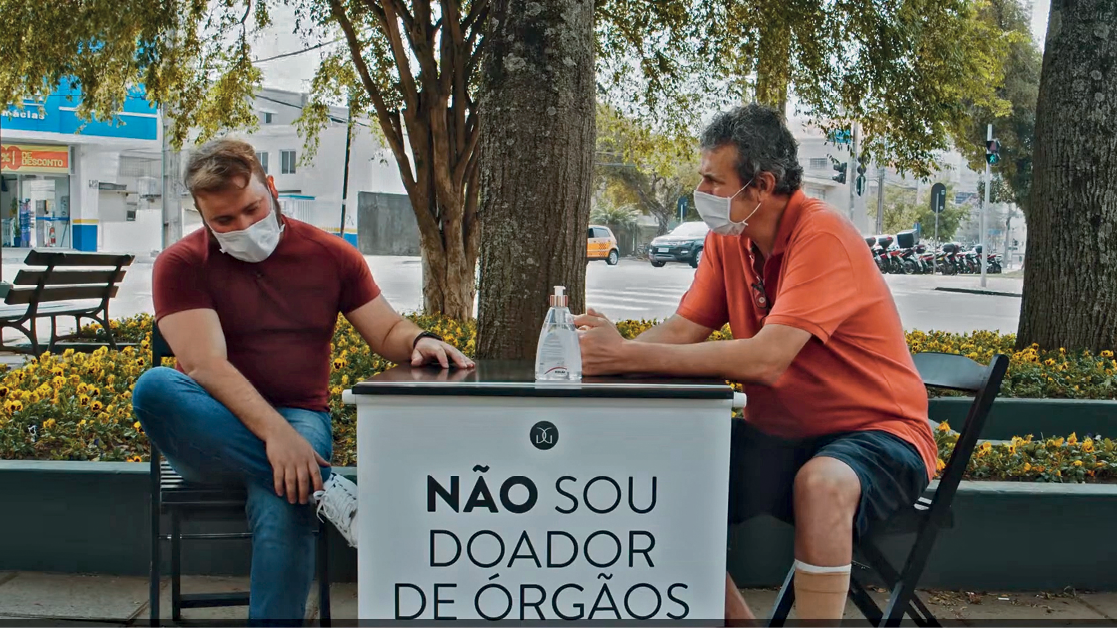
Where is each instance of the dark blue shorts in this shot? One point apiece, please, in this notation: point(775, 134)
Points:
point(762, 471)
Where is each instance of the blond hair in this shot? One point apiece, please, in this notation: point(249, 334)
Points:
point(221, 165)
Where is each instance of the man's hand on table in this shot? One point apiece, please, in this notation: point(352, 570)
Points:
point(295, 465)
point(431, 350)
point(602, 345)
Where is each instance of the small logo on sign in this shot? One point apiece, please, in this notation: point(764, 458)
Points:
point(544, 435)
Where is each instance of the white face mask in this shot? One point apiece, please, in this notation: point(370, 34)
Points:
point(254, 244)
point(715, 211)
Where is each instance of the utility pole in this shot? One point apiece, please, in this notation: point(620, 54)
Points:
point(880, 201)
point(853, 171)
point(172, 169)
point(345, 178)
point(172, 210)
point(990, 157)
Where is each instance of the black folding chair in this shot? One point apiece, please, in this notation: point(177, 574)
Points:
point(927, 516)
point(182, 500)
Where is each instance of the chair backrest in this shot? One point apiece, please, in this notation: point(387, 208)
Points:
point(68, 276)
point(960, 373)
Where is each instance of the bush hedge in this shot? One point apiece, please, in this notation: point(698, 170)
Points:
point(76, 406)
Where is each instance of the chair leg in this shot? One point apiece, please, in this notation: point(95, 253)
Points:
point(156, 541)
point(176, 567)
point(902, 597)
point(863, 601)
point(323, 575)
point(784, 601)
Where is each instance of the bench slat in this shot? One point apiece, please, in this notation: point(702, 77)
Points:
point(46, 258)
point(68, 277)
point(19, 296)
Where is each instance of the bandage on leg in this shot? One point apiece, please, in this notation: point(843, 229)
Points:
point(820, 592)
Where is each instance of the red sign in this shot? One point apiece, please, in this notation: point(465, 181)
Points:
point(35, 159)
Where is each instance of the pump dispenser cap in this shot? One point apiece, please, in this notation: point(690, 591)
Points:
point(559, 298)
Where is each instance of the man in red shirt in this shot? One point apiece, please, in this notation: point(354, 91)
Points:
point(249, 304)
point(835, 436)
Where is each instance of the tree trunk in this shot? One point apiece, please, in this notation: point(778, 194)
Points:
point(773, 65)
point(435, 116)
point(1070, 281)
point(537, 151)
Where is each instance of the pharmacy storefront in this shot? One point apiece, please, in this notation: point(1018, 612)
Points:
point(61, 176)
point(35, 196)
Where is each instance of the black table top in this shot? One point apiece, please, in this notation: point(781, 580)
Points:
point(499, 378)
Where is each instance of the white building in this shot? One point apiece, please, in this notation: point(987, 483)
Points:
point(101, 189)
point(311, 191)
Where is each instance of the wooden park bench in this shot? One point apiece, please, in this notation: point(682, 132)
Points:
point(62, 284)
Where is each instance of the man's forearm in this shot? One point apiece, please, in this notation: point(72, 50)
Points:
point(734, 360)
point(227, 385)
point(400, 341)
point(662, 334)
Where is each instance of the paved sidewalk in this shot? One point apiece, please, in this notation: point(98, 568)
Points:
point(67, 599)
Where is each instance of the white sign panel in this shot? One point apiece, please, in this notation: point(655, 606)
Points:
point(489, 508)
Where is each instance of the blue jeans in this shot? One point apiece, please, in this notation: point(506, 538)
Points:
point(204, 441)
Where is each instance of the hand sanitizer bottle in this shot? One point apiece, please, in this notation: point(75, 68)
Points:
point(558, 356)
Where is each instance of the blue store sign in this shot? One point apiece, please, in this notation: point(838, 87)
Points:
point(139, 119)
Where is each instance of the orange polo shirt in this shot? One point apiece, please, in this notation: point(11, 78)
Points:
point(857, 372)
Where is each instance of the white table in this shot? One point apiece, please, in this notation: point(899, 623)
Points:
point(484, 495)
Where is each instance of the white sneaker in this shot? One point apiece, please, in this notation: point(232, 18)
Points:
point(338, 502)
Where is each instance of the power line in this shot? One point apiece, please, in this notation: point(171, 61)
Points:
point(298, 52)
point(300, 108)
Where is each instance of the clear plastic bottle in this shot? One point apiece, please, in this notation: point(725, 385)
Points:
point(558, 356)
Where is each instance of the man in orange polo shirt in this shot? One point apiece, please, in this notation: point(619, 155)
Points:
point(835, 436)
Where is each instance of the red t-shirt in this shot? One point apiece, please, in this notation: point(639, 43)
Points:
point(278, 315)
point(857, 372)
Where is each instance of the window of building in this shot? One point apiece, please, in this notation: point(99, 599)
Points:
point(263, 159)
point(813, 192)
point(268, 117)
point(818, 163)
point(287, 162)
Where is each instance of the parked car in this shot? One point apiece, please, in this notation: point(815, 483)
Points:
point(602, 244)
point(683, 244)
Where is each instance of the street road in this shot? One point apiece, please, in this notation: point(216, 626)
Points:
point(634, 290)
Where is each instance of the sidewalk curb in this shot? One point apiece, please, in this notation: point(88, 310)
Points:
point(992, 293)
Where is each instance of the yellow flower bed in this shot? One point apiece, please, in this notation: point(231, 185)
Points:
point(77, 406)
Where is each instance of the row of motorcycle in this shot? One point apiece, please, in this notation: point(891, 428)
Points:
point(918, 259)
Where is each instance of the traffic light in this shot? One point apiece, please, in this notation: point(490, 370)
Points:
point(841, 168)
point(992, 151)
point(860, 168)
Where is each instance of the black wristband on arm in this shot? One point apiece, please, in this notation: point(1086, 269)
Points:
point(425, 334)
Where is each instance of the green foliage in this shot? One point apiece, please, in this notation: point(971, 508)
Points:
point(613, 216)
point(901, 70)
point(1015, 129)
point(639, 166)
point(903, 207)
point(191, 55)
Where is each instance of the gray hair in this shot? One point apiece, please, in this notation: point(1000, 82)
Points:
point(763, 142)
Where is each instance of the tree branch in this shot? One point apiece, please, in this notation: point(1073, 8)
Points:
point(387, 19)
point(422, 42)
point(467, 154)
point(388, 125)
point(477, 12)
point(471, 223)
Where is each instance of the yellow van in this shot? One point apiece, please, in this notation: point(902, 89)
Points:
point(602, 244)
